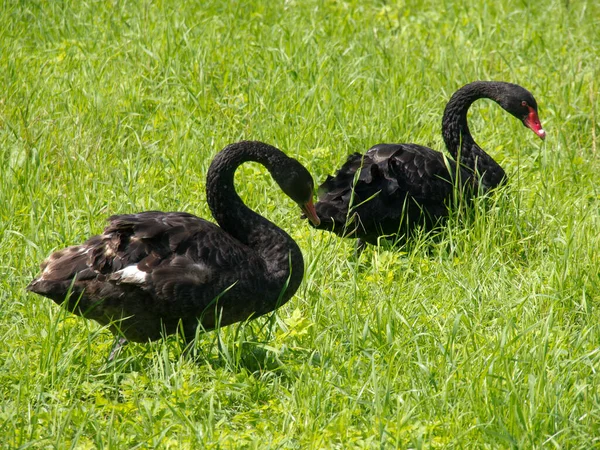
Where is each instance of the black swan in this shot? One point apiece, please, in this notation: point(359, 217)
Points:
point(152, 273)
point(403, 186)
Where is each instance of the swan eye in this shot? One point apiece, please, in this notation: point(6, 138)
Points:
point(523, 103)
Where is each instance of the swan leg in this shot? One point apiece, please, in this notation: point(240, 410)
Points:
point(188, 337)
point(119, 344)
point(359, 247)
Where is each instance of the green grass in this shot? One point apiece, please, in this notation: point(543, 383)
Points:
point(487, 337)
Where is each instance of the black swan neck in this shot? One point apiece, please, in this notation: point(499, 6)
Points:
point(458, 139)
point(279, 251)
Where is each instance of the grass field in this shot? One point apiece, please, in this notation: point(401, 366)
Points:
point(488, 337)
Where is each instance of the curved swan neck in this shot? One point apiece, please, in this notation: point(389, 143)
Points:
point(456, 134)
point(279, 251)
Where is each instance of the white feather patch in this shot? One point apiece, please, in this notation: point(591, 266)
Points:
point(55, 258)
point(132, 275)
point(201, 267)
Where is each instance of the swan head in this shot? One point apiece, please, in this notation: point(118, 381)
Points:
point(519, 102)
point(298, 184)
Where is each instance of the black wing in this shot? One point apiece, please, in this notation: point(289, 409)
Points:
point(388, 184)
point(153, 264)
point(149, 240)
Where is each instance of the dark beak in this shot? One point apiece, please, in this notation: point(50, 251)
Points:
point(532, 121)
point(309, 211)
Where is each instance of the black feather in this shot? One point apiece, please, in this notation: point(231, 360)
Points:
point(395, 188)
point(149, 272)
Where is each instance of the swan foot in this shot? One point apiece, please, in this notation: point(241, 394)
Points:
point(359, 247)
point(119, 344)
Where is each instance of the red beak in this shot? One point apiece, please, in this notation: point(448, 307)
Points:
point(309, 210)
point(532, 121)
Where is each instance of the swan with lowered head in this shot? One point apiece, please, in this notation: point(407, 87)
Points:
point(152, 273)
point(394, 188)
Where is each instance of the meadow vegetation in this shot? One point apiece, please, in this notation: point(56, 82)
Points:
point(486, 337)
